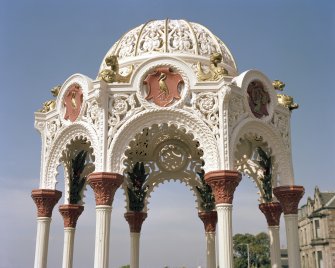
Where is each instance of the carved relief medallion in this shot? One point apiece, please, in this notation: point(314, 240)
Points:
point(163, 86)
point(258, 99)
point(73, 101)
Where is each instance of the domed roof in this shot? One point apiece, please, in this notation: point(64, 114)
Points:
point(170, 36)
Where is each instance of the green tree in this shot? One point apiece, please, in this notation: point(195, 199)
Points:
point(259, 250)
point(125, 266)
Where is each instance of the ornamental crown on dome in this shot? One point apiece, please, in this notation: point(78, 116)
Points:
point(177, 37)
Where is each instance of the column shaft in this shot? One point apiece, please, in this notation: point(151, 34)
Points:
point(291, 224)
point(225, 235)
point(69, 233)
point(42, 242)
point(134, 250)
point(210, 240)
point(274, 246)
point(102, 235)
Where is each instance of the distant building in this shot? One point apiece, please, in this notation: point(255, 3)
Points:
point(316, 223)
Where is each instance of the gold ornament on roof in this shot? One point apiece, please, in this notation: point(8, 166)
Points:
point(215, 72)
point(113, 74)
point(51, 104)
point(284, 100)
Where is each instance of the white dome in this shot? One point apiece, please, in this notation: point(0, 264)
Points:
point(177, 37)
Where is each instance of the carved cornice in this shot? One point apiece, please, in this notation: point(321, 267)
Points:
point(289, 197)
point(210, 219)
point(223, 184)
point(45, 200)
point(135, 220)
point(272, 212)
point(71, 213)
point(104, 185)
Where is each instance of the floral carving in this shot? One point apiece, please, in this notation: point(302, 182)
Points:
point(71, 214)
point(120, 108)
point(208, 105)
point(45, 200)
point(210, 219)
point(104, 185)
point(281, 123)
point(272, 212)
point(223, 184)
point(135, 220)
point(289, 197)
point(236, 110)
point(51, 130)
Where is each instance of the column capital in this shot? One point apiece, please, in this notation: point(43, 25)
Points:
point(45, 200)
point(223, 184)
point(71, 213)
point(210, 219)
point(104, 185)
point(135, 220)
point(272, 212)
point(289, 197)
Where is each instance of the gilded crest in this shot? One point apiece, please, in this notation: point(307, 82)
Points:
point(163, 86)
point(73, 101)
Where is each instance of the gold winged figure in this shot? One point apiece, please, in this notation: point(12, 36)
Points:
point(113, 74)
point(215, 72)
point(284, 100)
point(51, 104)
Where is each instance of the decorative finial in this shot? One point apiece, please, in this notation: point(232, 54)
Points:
point(50, 104)
point(284, 100)
point(113, 75)
point(215, 72)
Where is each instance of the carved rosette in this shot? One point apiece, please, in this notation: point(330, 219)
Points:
point(223, 184)
point(210, 219)
point(71, 213)
point(135, 220)
point(272, 212)
point(45, 200)
point(289, 197)
point(104, 185)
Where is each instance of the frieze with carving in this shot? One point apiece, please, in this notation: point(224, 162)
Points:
point(210, 219)
point(272, 212)
point(289, 197)
point(70, 214)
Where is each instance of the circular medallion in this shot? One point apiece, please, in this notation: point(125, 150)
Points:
point(172, 157)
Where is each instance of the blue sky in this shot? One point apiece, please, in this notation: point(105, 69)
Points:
point(42, 44)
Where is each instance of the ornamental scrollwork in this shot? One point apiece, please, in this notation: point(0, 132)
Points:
point(52, 128)
point(235, 112)
point(207, 106)
point(120, 108)
point(281, 124)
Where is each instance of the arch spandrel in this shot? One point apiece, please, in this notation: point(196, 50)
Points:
point(76, 131)
point(179, 118)
point(273, 140)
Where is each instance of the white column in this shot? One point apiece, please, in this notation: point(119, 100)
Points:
point(102, 233)
point(68, 247)
point(274, 246)
point(210, 239)
point(42, 241)
point(225, 235)
point(292, 236)
point(134, 250)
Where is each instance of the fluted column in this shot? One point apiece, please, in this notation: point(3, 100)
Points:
point(272, 212)
point(104, 185)
point(135, 220)
point(45, 200)
point(70, 213)
point(209, 218)
point(223, 184)
point(289, 197)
